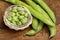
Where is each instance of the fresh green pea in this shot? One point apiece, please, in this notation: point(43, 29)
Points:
point(12, 21)
point(15, 18)
point(19, 23)
point(13, 14)
point(21, 17)
point(17, 14)
point(24, 20)
point(10, 13)
point(9, 18)
point(14, 9)
point(21, 12)
point(26, 14)
point(19, 9)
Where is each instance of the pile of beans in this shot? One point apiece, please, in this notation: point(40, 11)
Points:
point(17, 16)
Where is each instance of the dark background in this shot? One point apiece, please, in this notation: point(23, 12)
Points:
point(8, 34)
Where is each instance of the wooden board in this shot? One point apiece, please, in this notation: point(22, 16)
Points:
point(8, 34)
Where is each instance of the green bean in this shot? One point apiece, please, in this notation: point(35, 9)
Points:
point(52, 31)
point(34, 23)
point(51, 14)
point(33, 32)
point(40, 26)
point(33, 12)
point(34, 26)
point(38, 8)
point(47, 9)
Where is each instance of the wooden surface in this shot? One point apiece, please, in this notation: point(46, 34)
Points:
point(8, 34)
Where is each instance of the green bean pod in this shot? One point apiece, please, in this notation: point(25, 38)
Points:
point(38, 8)
point(40, 26)
point(47, 9)
point(34, 23)
point(33, 32)
point(52, 31)
point(34, 26)
point(33, 12)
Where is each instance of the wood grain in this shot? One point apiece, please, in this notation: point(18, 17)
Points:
point(8, 34)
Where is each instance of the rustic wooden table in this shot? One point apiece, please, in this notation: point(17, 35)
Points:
point(8, 34)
